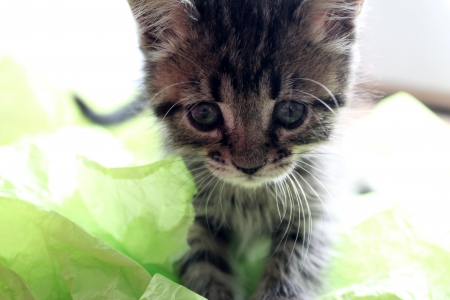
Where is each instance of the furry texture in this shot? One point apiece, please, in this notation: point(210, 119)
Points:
point(248, 62)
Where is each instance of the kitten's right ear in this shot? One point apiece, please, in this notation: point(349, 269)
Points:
point(162, 23)
point(330, 22)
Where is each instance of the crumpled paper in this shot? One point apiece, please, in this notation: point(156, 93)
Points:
point(71, 228)
point(89, 213)
point(397, 244)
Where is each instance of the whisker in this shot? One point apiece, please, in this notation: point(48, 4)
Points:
point(323, 86)
point(300, 211)
point(276, 199)
point(314, 191)
point(283, 189)
point(175, 104)
point(291, 212)
point(221, 205)
point(321, 101)
point(307, 237)
point(288, 196)
point(311, 166)
point(190, 179)
point(211, 177)
point(207, 203)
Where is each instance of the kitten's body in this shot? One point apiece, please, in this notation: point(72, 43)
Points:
point(250, 93)
point(300, 231)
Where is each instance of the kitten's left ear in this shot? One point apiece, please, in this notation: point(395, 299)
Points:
point(162, 23)
point(330, 21)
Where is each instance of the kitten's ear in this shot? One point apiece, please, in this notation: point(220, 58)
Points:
point(330, 21)
point(162, 23)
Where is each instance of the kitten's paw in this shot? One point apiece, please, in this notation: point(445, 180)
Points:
point(218, 294)
point(212, 288)
point(270, 295)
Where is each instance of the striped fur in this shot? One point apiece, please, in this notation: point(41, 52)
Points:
point(256, 177)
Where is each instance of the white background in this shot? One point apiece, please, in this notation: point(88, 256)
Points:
point(406, 45)
point(91, 45)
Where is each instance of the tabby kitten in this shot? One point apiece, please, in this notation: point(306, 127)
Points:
point(250, 93)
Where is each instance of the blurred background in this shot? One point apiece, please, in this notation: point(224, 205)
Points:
point(91, 46)
point(406, 46)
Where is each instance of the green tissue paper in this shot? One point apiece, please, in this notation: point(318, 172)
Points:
point(397, 244)
point(73, 229)
point(94, 213)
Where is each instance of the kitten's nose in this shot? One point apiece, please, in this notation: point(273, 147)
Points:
point(248, 167)
point(250, 171)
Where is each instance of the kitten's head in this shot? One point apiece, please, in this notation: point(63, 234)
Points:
point(247, 86)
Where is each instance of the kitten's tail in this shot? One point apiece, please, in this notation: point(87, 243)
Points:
point(124, 113)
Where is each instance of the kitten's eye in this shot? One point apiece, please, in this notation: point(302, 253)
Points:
point(205, 116)
point(289, 114)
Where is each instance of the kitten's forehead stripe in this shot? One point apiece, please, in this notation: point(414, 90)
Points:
point(275, 86)
point(248, 36)
point(226, 67)
point(215, 84)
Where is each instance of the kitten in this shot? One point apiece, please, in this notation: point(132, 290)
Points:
point(250, 93)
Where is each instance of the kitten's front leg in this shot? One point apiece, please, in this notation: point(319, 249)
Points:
point(205, 268)
point(295, 266)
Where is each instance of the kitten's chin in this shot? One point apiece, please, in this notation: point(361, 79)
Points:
point(251, 181)
point(269, 174)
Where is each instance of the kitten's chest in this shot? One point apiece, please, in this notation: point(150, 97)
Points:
point(252, 216)
point(246, 214)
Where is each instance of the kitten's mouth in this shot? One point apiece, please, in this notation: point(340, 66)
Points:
point(250, 181)
point(250, 177)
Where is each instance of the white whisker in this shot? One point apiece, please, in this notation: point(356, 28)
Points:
point(221, 205)
point(314, 191)
point(323, 86)
point(306, 237)
point(311, 166)
point(206, 211)
point(321, 101)
point(300, 211)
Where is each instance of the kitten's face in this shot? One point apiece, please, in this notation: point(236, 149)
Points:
point(247, 90)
